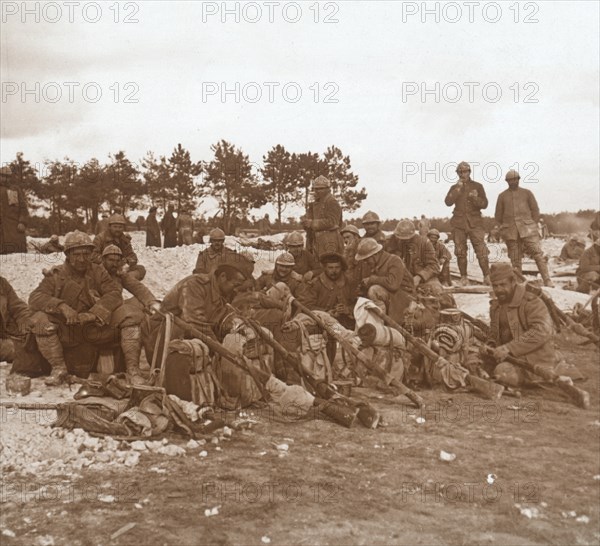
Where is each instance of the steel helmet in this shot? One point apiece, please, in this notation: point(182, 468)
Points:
point(350, 229)
point(366, 248)
point(117, 219)
point(294, 238)
point(285, 259)
point(112, 249)
point(405, 230)
point(370, 216)
point(511, 175)
point(321, 182)
point(463, 166)
point(77, 239)
point(217, 235)
point(434, 233)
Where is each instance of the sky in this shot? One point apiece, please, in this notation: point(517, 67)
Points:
point(406, 89)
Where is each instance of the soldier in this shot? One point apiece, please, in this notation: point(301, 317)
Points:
point(52, 245)
point(15, 321)
point(323, 220)
point(306, 264)
point(115, 235)
point(185, 227)
point(73, 306)
point(331, 291)
point(128, 316)
point(588, 272)
point(284, 273)
point(371, 223)
point(417, 254)
point(387, 284)
point(468, 198)
point(443, 256)
point(355, 270)
point(152, 229)
point(424, 226)
point(215, 254)
point(572, 249)
point(520, 326)
point(169, 228)
point(14, 215)
point(102, 224)
point(517, 214)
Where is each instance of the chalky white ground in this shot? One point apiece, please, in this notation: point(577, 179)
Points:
point(29, 445)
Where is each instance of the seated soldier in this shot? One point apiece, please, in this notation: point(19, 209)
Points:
point(443, 256)
point(520, 326)
point(215, 254)
point(128, 316)
point(417, 254)
point(572, 249)
point(73, 305)
point(52, 245)
point(389, 284)
point(371, 224)
point(115, 235)
point(15, 322)
point(305, 262)
point(588, 272)
point(283, 272)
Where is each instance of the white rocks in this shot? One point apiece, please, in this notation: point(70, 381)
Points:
point(447, 457)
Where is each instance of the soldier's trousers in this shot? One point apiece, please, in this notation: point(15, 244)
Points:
point(477, 237)
point(531, 247)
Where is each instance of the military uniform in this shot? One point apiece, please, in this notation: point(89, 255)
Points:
point(305, 262)
point(443, 257)
point(588, 272)
point(102, 240)
point(51, 246)
point(14, 217)
point(380, 237)
point(323, 294)
point(185, 228)
point(169, 228)
point(572, 250)
point(270, 278)
point(152, 231)
point(15, 318)
point(324, 233)
point(418, 256)
point(208, 259)
point(467, 222)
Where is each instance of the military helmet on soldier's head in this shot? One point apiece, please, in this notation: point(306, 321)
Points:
point(405, 230)
point(294, 238)
point(77, 239)
point(321, 182)
point(350, 229)
point(433, 233)
point(117, 219)
point(217, 235)
point(370, 217)
point(512, 175)
point(463, 166)
point(111, 250)
point(366, 248)
point(285, 258)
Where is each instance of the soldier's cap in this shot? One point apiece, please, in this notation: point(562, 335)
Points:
point(370, 217)
point(232, 264)
point(333, 258)
point(5, 171)
point(366, 248)
point(577, 240)
point(321, 182)
point(216, 235)
point(294, 238)
point(117, 219)
point(286, 258)
point(111, 250)
point(501, 271)
point(463, 166)
point(433, 232)
point(512, 175)
point(350, 229)
point(405, 230)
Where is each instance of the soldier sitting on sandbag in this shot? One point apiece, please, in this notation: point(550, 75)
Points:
point(572, 249)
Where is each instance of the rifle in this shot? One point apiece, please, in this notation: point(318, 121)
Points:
point(488, 388)
point(580, 397)
point(366, 362)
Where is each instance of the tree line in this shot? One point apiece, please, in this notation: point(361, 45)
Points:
point(74, 193)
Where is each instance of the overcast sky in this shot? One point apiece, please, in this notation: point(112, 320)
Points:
point(374, 61)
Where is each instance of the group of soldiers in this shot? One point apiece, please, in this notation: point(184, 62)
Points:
point(78, 313)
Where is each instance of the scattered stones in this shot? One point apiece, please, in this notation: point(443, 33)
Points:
point(447, 457)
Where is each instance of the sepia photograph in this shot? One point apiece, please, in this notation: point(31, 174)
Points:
point(299, 273)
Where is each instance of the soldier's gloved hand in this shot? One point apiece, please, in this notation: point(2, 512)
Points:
point(85, 318)
point(21, 227)
point(500, 353)
point(69, 313)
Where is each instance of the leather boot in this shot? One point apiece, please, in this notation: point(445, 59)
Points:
point(52, 351)
point(543, 269)
point(462, 266)
point(131, 345)
point(338, 413)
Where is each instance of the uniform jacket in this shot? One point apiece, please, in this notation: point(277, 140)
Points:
point(185, 228)
point(305, 262)
point(323, 294)
point(102, 240)
point(14, 312)
point(418, 255)
point(380, 237)
point(101, 225)
point(589, 261)
point(152, 231)
point(441, 253)
point(169, 228)
point(467, 209)
point(270, 278)
point(135, 288)
point(13, 211)
point(517, 214)
point(530, 325)
point(571, 252)
point(208, 259)
point(94, 292)
point(327, 221)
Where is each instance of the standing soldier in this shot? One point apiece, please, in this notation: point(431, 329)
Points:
point(306, 264)
point(443, 256)
point(424, 226)
point(152, 229)
point(13, 215)
point(185, 227)
point(215, 254)
point(323, 220)
point(517, 213)
point(102, 224)
point(371, 224)
point(468, 198)
point(169, 228)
